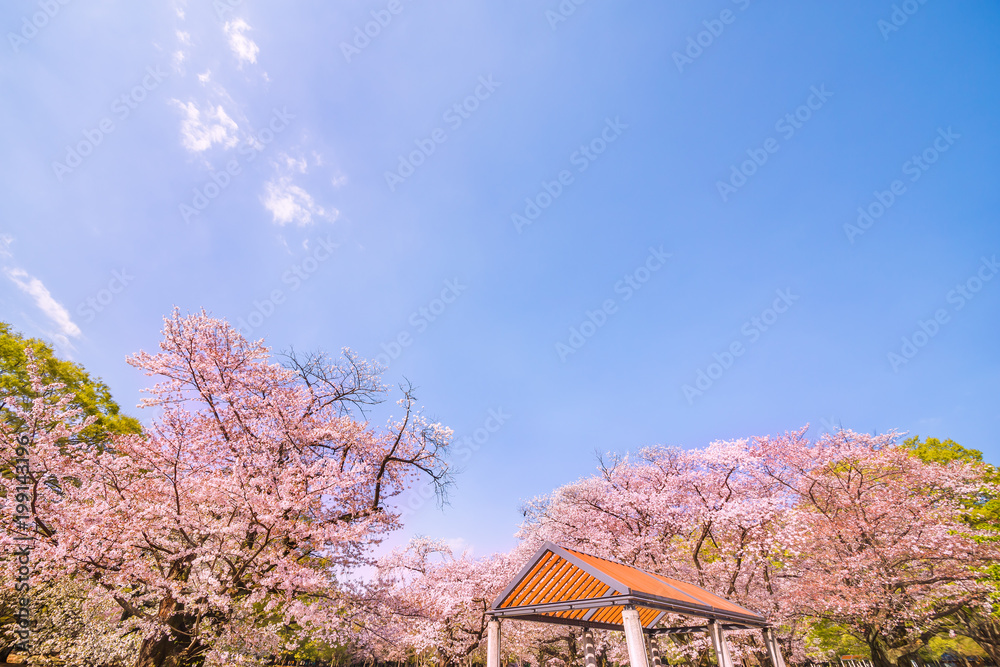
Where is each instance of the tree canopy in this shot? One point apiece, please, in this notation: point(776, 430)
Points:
point(89, 395)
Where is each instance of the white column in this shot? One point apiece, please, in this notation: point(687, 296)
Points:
point(589, 652)
point(769, 646)
point(773, 648)
point(634, 637)
point(718, 636)
point(493, 643)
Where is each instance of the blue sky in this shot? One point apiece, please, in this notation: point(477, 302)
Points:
point(639, 225)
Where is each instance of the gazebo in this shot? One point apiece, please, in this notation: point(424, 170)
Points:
point(563, 586)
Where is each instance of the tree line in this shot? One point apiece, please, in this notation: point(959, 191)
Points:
point(233, 527)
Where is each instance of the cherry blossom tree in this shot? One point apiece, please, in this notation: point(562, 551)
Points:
point(708, 516)
point(78, 624)
point(851, 529)
point(235, 517)
point(876, 540)
point(434, 604)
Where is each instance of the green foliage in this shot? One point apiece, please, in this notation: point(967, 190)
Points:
point(983, 516)
point(91, 395)
point(958, 645)
point(933, 450)
point(983, 510)
point(826, 640)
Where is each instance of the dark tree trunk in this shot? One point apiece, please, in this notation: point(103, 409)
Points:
point(879, 649)
point(171, 651)
point(178, 648)
point(983, 629)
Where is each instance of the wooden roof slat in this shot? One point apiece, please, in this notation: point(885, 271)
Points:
point(575, 588)
point(647, 616)
point(554, 578)
point(544, 580)
point(560, 591)
point(608, 615)
point(594, 590)
point(638, 580)
point(531, 580)
point(528, 580)
point(575, 592)
point(707, 597)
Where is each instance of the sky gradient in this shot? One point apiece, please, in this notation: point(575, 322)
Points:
point(577, 228)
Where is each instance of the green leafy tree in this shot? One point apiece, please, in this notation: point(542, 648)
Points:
point(91, 395)
point(93, 398)
point(933, 450)
point(979, 623)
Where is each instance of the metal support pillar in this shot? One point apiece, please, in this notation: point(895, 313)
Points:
point(654, 650)
point(719, 643)
point(589, 652)
point(635, 638)
point(773, 648)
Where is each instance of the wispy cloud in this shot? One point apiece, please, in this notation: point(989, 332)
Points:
point(200, 130)
point(54, 310)
point(300, 165)
point(243, 47)
point(289, 203)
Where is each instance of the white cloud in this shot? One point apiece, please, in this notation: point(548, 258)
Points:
point(288, 203)
point(244, 47)
point(5, 241)
point(204, 78)
point(299, 165)
point(198, 133)
point(54, 310)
